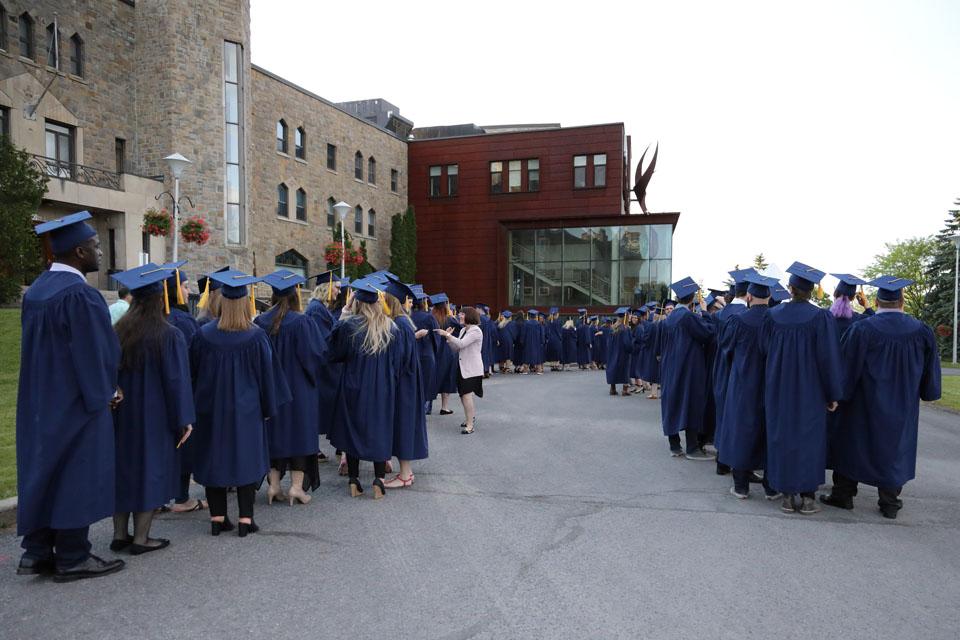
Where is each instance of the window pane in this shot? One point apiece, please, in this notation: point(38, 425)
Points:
point(514, 176)
point(496, 182)
point(331, 157)
point(233, 183)
point(576, 283)
point(453, 184)
point(533, 181)
point(358, 220)
point(233, 223)
point(600, 158)
point(233, 143)
point(549, 245)
point(580, 161)
point(522, 286)
point(576, 244)
point(331, 214)
point(522, 244)
point(394, 179)
point(661, 241)
point(453, 169)
point(634, 274)
point(533, 164)
point(599, 176)
point(579, 177)
point(371, 223)
point(548, 290)
point(51, 144)
point(230, 65)
point(435, 171)
point(496, 167)
point(634, 242)
point(231, 103)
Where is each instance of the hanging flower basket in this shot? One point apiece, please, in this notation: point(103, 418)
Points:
point(944, 331)
point(195, 230)
point(157, 223)
point(333, 251)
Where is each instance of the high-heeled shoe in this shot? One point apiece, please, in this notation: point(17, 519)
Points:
point(342, 469)
point(243, 528)
point(217, 527)
point(273, 488)
point(296, 491)
point(388, 467)
point(378, 489)
point(355, 488)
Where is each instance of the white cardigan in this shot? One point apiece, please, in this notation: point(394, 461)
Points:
point(468, 345)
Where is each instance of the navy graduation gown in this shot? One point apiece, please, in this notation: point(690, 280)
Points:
point(427, 351)
point(891, 362)
point(533, 339)
point(554, 337)
point(365, 406)
point(69, 355)
point(803, 374)
point(185, 322)
point(601, 343)
point(487, 348)
point(157, 405)
point(620, 355)
point(584, 344)
point(300, 349)
point(845, 323)
point(740, 426)
point(448, 362)
point(410, 425)
point(683, 370)
point(721, 365)
point(328, 377)
point(238, 385)
point(569, 352)
point(648, 353)
point(636, 361)
point(508, 336)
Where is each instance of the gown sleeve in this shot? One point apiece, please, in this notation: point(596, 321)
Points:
point(177, 390)
point(311, 350)
point(828, 357)
point(700, 328)
point(274, 390)
point(94, 349)
point(853, 350)
point(931, 380)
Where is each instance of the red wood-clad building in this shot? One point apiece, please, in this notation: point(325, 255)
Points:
point(534, 217)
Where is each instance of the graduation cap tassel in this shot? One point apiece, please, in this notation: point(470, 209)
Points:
point(383, 302)
point(166, 300)
point(205, 296)
point(299, 299)
point(819, 292)
point(176, 275)
point(329, 290)
point(253, 302)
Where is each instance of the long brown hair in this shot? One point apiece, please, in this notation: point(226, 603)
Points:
point(140, 330)
point(440, 313)
point(397, 312)
point(283, 303)
point(212, 310)
point(235, 315)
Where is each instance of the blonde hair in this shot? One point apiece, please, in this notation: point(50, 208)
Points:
point(235, 315)
point(324, 292)
point(397, 311)
point(568, 324)
point(504, 322)
point(212, 310)
point(375, 324)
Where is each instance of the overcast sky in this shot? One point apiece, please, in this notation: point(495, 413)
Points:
point(812, 131)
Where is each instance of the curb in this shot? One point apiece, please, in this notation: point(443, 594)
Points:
point(8, 512)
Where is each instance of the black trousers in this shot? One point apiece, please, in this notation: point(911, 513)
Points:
point(741, 481)
point(67, 547)
point(353, 467)
point(217, 498)
point(692, 439)
point(844, 487)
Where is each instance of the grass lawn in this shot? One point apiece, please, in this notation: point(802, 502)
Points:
point(951, 393)
point(9, 373)
point(949, 365)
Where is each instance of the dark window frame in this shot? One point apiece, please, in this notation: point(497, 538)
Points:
point(331, 157)
point(53, 46)
point(453, 179)
point(4, 121)
point(530, 172)
point(583, 168)
point(597, 184)
point(394, 180)
point(358, 220)
point(283, 132)
point(358, 166)
point(496, 185)
point(283, 200)
point(331, 212)
point(301, 209)
point(372, 170)
point(434, 181)
point(300, 143)
point(120, 152)
point(372, 223)
point(3, 28)
point(76, 55)
point(28, 49)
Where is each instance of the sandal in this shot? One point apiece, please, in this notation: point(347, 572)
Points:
point(197, 507)
point(399, 483)
point(465, 432)
point(446, 412)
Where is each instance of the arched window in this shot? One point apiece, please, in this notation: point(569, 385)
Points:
point(372, 170)
point(76, 55)
point(281, 136)
point(331, 212)
point(358, 220)
point(300, 143)
point(358, 166)
point(292, 260)
point(372, 223)
point(301, 204)
point(53, 47)
point(3, 27)
point(27, 48)
point(282, 198)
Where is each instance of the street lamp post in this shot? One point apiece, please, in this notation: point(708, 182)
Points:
point(956, 291)
point(342, 209)
point(177, 164)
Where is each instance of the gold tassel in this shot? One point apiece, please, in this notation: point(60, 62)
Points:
point(383, 302)
point(176, 275)
point(253, 302)
point(166, 300)
point(299, 299)
point(205, 296)
point(819, 292)
point(329, 290)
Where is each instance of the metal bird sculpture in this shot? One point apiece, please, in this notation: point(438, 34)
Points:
point(642, 178)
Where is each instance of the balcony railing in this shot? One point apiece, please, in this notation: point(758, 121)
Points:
point(78, 173)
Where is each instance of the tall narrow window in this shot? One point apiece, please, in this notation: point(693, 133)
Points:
point(600, 170)
point(496, 177)
point(5, 121)
point(281, 136)
point(112, 247)
point(301, 205)
point(53, 47)
point(394, 180)
point(358, 166)
point(433, 188)
point(331, 212)
point(300, 143)
point(331, 157)
point(120, 149)
point(27, 48)
point(515, 176)
point(533, 174)
point(282, 200)
point(60, 149)
point(579, 172)
point(372, 170)
point(233, 141)
point(3, 27)
point(372, 223)
point(76, 55)
point(145, 244)
point(453, 179)
point(358, 220)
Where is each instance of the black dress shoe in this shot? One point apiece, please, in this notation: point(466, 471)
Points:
point(722, 469)
point(140, 549)
point(886, 513)
point(840, 503)
point(120, 545)
point(33, 567)
point(243, 528)
point(92, 567)
point(217, 527)
point(755, 478)
point(446, 412)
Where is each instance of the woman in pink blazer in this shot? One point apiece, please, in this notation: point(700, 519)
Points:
point(470, 374)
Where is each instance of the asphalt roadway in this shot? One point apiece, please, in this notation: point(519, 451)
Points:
point(563, 516)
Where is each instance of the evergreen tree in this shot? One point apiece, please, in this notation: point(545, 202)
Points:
point(938, 303)
point(760, 262)
point(403, 245)
point(22, 186)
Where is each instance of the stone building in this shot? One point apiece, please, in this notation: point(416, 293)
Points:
point(100, 91)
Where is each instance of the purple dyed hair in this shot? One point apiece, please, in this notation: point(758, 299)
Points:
point(841, 308)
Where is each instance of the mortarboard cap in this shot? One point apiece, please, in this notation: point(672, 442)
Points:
point(67, 232)
point(779, 293)
point(740, 283)
point(418, 293)
point(398, 289)
point(506, 313)
point(380, 276)
point(804, 277)
point(175, 266)
point(283, 280)
point(325, 277)
point(439, 298)
point(670, 303)
point(622, 311)
point(366, 290)
point(889, 288)
point(760, 286)
point(848, 284)
point(144, 280)
point(554, 310)
point(581, 311)
point(235, 283)
point(685, 287)
point(533, 312)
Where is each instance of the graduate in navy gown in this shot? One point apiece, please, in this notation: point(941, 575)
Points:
point(568, 355)
point(426, 347)
point(209, 304)
point(740, 434)
point(239, 386)
point(648, 341)
point(507, 333)
point(843, 296)
point(410, 426)
point(620, 353)
point(683, 372)
point(803, 383)
point(599, 352)
point(301, 349)
point(532, 336)
point(488, 348)
point(605, 328)
point(156, 416)
point(323, 310)
point(554, 339)
point(446, 358)
point(721, 366)
point(367, 342)
point(891, 363)
point(584, 341)
point(69, 355)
